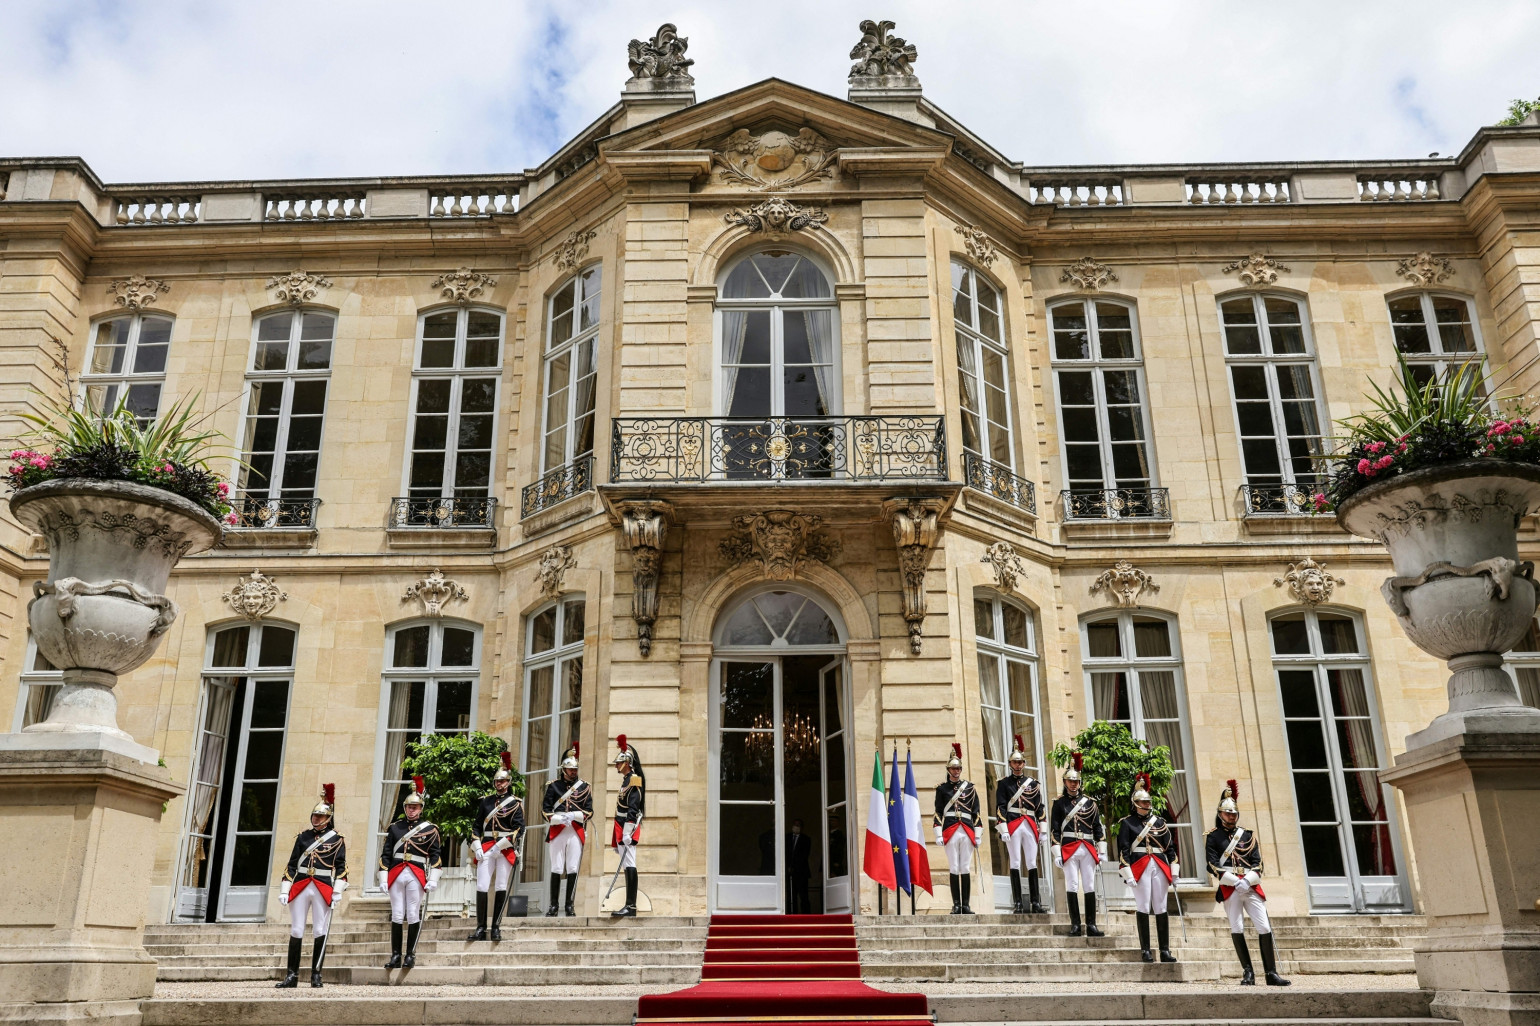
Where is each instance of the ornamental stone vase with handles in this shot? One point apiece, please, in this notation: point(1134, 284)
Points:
point(1460, 590)
point(103, 609)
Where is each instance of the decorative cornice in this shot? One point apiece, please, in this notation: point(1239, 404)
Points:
point(977, 244)
point(463, 285)
point(136, 291)
point(255, 596)
point(776, 217)
point(435, 591)
point(1425, 269)
point(1124, 583)
point(1309, 582)
point(297, 288)
point(573, 249)
point(778, 540)
point(1088, 274)
point(1007, 564)
point(773, 159)
point(1256, 270)
point(552, 569)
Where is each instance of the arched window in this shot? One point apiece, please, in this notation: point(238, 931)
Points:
point(127, 363)
point(1134, 670)
point(983, 366)
point(287, 382)
point(571, 370)
point(553, 704)
point(779, 339)
point(1008, 690)
point(1434, 332)
point(1273, 383)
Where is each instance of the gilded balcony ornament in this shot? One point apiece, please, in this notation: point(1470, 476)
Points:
point(776, 217)
point(661, 57)
point(255, 596)
point(552, 569)
point(1425, 269)
point(779, 541)
point(916, 527)
point(464, 285)
point(1124, 583)
point(644, 528)
point(573, 249)
point(1006, 563)
point(297, 288)
point(435, 591)
point(977, 244)
point(1088, 274)
point(773, 159)
point(136, 292)
point(1256, 270)
point(880, 55)
point(1309, 582)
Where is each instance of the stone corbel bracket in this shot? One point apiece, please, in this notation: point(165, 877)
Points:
point(916, 526)
point(644, 527)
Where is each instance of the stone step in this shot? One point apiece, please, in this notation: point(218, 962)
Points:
point(594, 960)
point(1062, 972)
point(985, 956)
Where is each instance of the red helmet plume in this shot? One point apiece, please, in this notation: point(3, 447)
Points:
point(329, 794)
point(620, 742)
point(419, 785)
point(1142, 781)
point(1235, 789)
point(1019, 746)
point(957, 749)
point(507, 760)
point(575, 753)
point(1078, 760)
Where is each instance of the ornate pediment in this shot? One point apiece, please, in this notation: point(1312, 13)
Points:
point(773, 158)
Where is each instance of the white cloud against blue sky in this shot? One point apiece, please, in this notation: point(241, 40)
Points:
point(174, 91)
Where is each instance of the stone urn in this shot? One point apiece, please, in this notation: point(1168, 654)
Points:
point(103, 608)
point(1460, 591)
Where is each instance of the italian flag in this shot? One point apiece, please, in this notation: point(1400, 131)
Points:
point(878, 860)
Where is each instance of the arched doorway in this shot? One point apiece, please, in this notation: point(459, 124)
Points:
point(778, 787)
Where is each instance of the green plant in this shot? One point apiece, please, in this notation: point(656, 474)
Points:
point(457, 771)
point(1111, 759)
point(1518, 110)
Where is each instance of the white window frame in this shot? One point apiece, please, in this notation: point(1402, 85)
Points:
point(972, 336)
point(126, 379)
point(555, 659)
point(778, 306)
point(1522, 657)
point(289, 375)
point(1437, 357)
point(1095, 365)
point(579, 337)
point(457, 374)
point(31, 677)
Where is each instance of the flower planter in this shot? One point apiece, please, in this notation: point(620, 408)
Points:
point(103, 608)
point(1460, 590)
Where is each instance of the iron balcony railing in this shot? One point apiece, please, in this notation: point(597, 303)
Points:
point(438, 513)
point(890, 448)
point(1116, 503)
point(257, 513)
point(999, 481)
point(1278, 500)
point(557, 486)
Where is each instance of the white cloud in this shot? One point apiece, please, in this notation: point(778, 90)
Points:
point(171, 91)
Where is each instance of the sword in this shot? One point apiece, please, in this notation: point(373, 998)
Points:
point(607, 893)
point(1180, 914)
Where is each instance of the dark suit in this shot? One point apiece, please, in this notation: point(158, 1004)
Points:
point(799, 851)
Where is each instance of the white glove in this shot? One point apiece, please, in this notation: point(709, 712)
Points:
point(939, 838)
point(1127, 874)
point(628, 834)
point(475, 850)
point(1004, 831)
point(1058, 856)
point(503, 843)
point(338, 888)
point(576, 816)
point(283, 895)
point(1252, 878)
point(1229, 879)
point(558, 819)
point(432, 884)
point(384, 880)
point(1101, 850)
point(1176, 869)
point(977, 837)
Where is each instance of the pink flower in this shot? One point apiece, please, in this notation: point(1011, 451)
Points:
point(224, 489)
point(1516, 439)
point(1500, 428)
point(1376, 446)
point(1319, 498)
point(1491, 448)
point(168, 469)
point(39, 462)
point(1383, 462)
point(1364, 467)
point(231, 518)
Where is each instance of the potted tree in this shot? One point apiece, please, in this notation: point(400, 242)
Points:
point(1442, 477)
point(119, 503)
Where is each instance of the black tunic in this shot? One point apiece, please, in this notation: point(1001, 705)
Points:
point(1085, 825)
point(1247, 856)
point(424, 849)
point(1029, 805)
point(1159, 842)
point(327, 864)
point(628, 806)
point(490, 824)
point(964, 811)
point(580, 800)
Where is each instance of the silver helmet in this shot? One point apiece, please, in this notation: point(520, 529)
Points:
point(1141, 795)
point(1227, 797)
point(328, 803)
point(625, 756)
point(419, 795)
point(955, 762)
point(1019, 752)
point(569, 758)
point(1073, 773)
point(506, 771)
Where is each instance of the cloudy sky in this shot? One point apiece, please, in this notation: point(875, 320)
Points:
point(174, 91)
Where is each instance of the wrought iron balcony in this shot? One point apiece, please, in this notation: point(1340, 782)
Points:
point(557, 486)
point(1116, 504)
point(999, 481)
point(893, 448)
point(440, 513)
point(1279, 500)
point(257, 513)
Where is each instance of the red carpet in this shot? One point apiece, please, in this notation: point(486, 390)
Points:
point(783, 970)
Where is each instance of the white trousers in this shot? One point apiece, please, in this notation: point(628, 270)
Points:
point(309, 902)
point(492, 871)
point(1022, 848)
point(564, 853)
point(1244, 898)
point(1150, 890)
point(406, 896)
point(959, 853)
point(1080, 871)
point(627, 856)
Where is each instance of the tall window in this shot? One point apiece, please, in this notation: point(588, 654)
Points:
point(288, 378)
point(1100, 381)
point(431, 674)
point(1434, 332)
point(553, 701)
point(778, 339)
point(983, 369)
point(127, 363)
point(454, 404)
point(40, 683)
point(1135, 672)
point(1524, 666)
point(1007, 647)
point(571, 371)
point(1272, 379)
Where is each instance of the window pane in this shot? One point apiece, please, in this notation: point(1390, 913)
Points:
point(1290, 636)
point(1016, 630)
point(1376, 854)
point(747, 845)
point(1109, 695)
point(1307, 744)
point(1407, 322)
point(259, 802)
point(542, 636)
point(1019, 675)
point(747, 694)
point(264, 755)
point(747, 766)
point(1103, 640)
point(276, 647)
point(459, 647)
point(454, 706)
point(572, 623)
point(230, 646)
point(275, 327)
point(983, 619)
point(1299, 696)
point(1338, 634)
point(541, 681)
point(1071, 333)
point(1323, 851)
point(269, 703)
point(1152, 637)
point(989, 678)
point(411, 646)
point(571, 683)
point(1313, 798)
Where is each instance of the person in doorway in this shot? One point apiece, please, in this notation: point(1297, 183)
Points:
point(1148, 857)
point(496, 838)
point(1019, 812)
point(567, 805)
point(411, 860)
point(1079, 845)
point(1235, 856)
point(799, 870)
point(630, 807)
point(957, 823)
point(317, 872)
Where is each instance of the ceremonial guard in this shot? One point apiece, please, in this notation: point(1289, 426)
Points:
point(630, 807)
point(568, 804)
point(1235, 857)
point(411, 860)
point(1079, 844)
point(317, 872)
point(1148, 855)
point(957, 825)
point(495, 838)
point(1019, 812)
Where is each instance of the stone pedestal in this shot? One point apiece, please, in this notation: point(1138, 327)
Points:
point(1473, 805)
point(78, 826)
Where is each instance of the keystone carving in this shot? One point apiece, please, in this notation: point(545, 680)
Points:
point(773, 160)
point(463, 285)
point(571, 252)
point(977, 244)
point(916, 530)
point(776, 217)
point(255, 596)
point(1007, 564)
point(1425, 269)
point(297, 288)
point(552, 569)
point(1308, 582)
point(136, 291)
point(661, 57)
point(778, 540)
point(1124, 583)
point(1256, 270)
point(879, 55)
point(644, 528)
point(1088, 274)
point(435, 591)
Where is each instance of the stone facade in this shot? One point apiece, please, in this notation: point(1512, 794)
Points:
point(665, 196)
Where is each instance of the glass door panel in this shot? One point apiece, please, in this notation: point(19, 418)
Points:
point(748, 787)
point(207, 783)
point(802, 784)
point(837, 891)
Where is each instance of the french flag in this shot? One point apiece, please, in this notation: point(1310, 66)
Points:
point(919, 859)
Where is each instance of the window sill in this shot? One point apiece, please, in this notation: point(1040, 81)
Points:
point(579, 505)
point(269, 538)
point(1005, 514)
point(413, 538)
point(1112, 529)
point(1296, 523)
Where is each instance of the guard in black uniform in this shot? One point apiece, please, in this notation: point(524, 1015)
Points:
point(630, 807)
point(411, 860)
point(1148, 854)
point(1019, 812)
point(317, 872)
point(957, 823)
point(1235, 857)
point(1079, 845)
point(495, 846)
point(568, 804)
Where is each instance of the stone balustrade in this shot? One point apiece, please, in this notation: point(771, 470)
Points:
point(1106, 192)
point(473, 200)
point(155, 209)
point(1262, 189)
point(326, 206)
point(1393, 186)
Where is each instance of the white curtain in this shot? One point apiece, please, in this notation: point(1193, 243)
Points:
point(395, 747)
point(582, 440)
point(1355, 731)
point(820, 344)
point(735, 325)
point(219, 701)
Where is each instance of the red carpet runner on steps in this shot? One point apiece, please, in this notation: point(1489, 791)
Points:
point(782, 970)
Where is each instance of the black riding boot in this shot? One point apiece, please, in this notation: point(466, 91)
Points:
point(1270, 962)
point(412, 930)
point(1016, 908)
point(1073, 900)
point(1034, 905)
point(291, 978)
point(1248, 977)
point(480, 933)
point(1163, 935)
point(571, 894)
point(630, 906)
point(951, 879)
point(1091, 929)
point(1142, 922)
point(499, 900)
point(555, 896)
point(395, 947)
point(317, 953)
point(967, 885)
